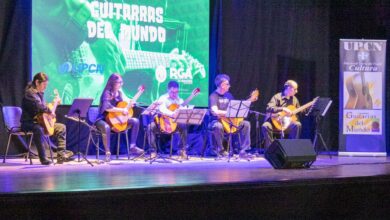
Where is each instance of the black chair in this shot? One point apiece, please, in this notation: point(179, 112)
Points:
point(209, 140)
point(146, 120)
point(93, 113)
point(11, 117)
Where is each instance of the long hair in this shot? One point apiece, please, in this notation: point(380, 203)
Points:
point(40, 77)
point(115, 77)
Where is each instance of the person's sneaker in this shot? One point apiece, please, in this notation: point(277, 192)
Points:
point(224, 153)
point(108, 157)
point(153, 155)
point(60, 160)
point(64, 156)
point(243, 154)
point(183, 155)
point(46, 162)
point(136, 150)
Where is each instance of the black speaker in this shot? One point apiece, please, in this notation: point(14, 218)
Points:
point(290, 153)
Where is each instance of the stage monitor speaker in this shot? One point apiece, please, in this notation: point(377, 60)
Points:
point(290, 153)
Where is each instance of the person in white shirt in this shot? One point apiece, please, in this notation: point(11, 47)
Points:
point(168, 110)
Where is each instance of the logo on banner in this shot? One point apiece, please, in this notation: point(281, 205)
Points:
point(368, 46)
point(362, 65)
point(362, 122)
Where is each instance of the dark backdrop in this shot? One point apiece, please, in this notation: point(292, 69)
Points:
point(259, 43)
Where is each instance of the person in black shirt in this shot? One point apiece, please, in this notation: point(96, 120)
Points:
point(33, 105)
point(218, 104)
point(279, 103)
point(109, 100)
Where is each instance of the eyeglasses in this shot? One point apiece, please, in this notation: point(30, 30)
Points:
point(174, 91)
point(119, 82)
point(294, 89)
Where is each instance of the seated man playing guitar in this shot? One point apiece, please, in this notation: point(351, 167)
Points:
point(168, 108)
point(218, 104)
point(33, 107)
point(280, 105)
point(110, 104)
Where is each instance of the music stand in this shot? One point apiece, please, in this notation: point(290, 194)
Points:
point(236, 109)
point(79, 109)
point(159, 156)
point(319, 110)
point(147, 118)
point(152, 109)
point(257, 141)
point(190, 116)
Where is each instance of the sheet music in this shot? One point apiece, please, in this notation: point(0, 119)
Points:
point(190, 116)
point(80, 107)
point(320, 107)
point(238, 109)
point(152, 108)
point(188, 107)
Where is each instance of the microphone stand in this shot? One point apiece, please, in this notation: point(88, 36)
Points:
point(257, 115)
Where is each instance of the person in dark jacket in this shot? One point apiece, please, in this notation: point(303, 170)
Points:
point(33, 107)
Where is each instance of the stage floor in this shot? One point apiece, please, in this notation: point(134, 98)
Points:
point(19, 177)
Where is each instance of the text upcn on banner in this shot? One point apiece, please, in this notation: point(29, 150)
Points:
point(362, 68)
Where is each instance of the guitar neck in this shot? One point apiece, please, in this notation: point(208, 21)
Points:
point(55, 104)
point(188, 100)
point(135, 98)
point(364, 85)
point(137, 59)
point(53, 110)
point(303, 107)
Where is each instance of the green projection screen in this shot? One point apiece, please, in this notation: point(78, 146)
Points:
point(79, 43)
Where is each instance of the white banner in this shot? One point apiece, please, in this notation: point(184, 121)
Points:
point(363, 67)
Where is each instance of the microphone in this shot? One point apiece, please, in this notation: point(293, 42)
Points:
point(257, 113)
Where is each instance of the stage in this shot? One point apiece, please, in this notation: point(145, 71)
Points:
point(197, 188)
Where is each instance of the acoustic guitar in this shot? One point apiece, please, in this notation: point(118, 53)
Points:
point(231, 125)
point(281, 120)
point(359, 95)
point(47, 120)
point(118, 120)
point(166, 123)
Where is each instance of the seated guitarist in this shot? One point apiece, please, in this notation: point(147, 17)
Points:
point(33, 105)
point(109, 99)
point(279, 103)
point(218, 104)
point(166, 100)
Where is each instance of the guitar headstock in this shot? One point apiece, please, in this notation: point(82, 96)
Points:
point(141, 88)
point(196, 91)
point(254, 95)
point(56, 96)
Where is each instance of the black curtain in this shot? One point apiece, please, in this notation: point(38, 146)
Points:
point(15, 55)
point(259, 43)
point(349, 19)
